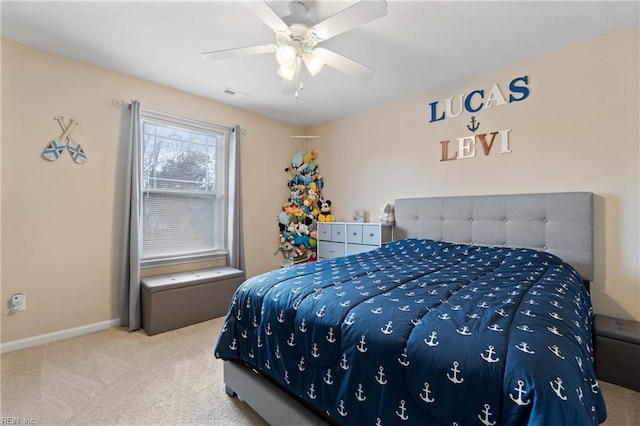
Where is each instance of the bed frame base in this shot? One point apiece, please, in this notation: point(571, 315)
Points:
point(267, 399)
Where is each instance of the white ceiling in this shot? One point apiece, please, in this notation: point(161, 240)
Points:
point(417, 46)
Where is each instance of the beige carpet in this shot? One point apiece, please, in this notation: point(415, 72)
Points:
point(118, 378)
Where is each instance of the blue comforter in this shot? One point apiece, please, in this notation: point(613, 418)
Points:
point(422, 332)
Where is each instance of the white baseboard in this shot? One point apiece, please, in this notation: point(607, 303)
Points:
point(58, 335)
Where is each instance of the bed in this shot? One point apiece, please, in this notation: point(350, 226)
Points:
point(477, 313)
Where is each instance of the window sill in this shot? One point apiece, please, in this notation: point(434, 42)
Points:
point(181, 260)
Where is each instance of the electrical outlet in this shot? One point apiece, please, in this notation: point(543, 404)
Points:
point(18, 302)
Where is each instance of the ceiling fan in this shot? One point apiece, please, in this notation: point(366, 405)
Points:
point(297, 38)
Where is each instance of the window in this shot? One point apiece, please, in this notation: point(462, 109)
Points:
point(183, 180)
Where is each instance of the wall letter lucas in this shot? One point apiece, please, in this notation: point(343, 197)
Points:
point(481, 99)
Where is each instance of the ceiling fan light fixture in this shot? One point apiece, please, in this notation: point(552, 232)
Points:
point(297, 37)
point(314, 63)
point(286, 55)
point(287, 72)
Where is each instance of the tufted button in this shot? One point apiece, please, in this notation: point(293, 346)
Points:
point(506, 220)
point(470, 219)
point(545, 220)
point(442, 219)
point(544, 247)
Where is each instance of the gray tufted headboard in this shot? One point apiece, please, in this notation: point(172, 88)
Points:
point(559, 223)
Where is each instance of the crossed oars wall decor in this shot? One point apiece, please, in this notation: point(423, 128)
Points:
point(56, 147)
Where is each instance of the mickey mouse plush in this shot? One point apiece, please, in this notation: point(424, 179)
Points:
point(325, 212)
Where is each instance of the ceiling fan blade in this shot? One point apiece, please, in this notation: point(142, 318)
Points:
point(344, 64)
point(351, 17)
point(263, 11)
point(241, 51)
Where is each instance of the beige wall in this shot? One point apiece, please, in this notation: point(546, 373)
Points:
point(61, 222)
point(577, 131)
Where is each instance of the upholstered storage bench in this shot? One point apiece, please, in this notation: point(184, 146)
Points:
point(176, 300)
point(617, 351)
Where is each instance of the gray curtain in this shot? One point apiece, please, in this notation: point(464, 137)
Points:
point(235, 244)
point(132, 241)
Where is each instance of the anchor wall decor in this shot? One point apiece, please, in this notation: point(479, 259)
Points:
point(56, 147)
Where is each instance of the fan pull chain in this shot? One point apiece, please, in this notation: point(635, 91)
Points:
point(301, 89)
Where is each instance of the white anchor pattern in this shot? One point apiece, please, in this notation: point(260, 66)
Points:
point(342, 333)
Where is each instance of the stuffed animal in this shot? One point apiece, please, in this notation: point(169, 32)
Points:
point(301, 232)
point(287, 251)
point(287, 234)
point(312, 194)
point(295, 191)
point(299, 236)
point(313, 235)
point(325, 211)
point(386, 215)
point(283, 220)
point(309, 156)
point(301, 254)
point(297, 159)
point(313, 242)
point(304, 179)
point(292, 210)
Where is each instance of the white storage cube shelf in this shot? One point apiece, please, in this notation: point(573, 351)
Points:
point(336, 239)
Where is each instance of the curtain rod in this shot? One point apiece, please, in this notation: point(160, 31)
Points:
point(120, 104)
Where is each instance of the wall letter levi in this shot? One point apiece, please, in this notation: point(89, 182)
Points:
point(466, 147)
point(504, 135)
point(445, 152)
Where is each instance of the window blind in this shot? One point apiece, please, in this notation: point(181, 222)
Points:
point(182, 186)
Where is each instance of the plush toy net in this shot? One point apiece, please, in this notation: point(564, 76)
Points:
point(298, 219)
